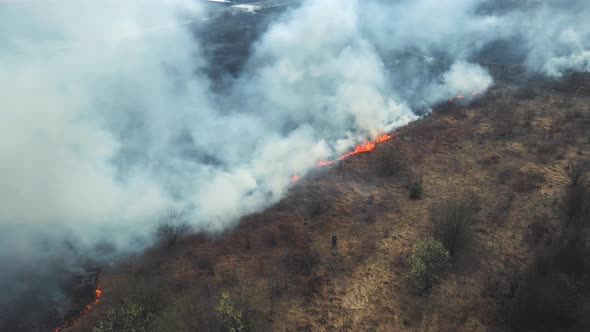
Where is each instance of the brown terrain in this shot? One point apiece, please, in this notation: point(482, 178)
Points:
point(507, 155)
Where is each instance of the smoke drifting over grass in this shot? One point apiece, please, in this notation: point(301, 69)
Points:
point(107, 121)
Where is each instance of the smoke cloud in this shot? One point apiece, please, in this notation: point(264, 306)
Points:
point(108, 119)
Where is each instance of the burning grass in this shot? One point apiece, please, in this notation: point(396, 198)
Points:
point(360, 284)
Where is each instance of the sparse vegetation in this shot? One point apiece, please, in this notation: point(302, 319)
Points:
point(316, 207)
point(521, 181)
point(232, 319)
point(575, 173)
point(172, 228)
point(193, 311)
point(292, 270)
point(526, 93)
point(429, 257)
point(528, 117)
point(504, 118)
point(577, 203)
point(546, 298)
point(126, 317)
point(539, 230)
point(171, 234)
point(416, 189)
point(541, 304)
point(452, 225)
point(390, 162)
point(205, 263)
point(527, 181)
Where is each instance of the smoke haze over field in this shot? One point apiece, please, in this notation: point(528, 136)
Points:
point(108, 120)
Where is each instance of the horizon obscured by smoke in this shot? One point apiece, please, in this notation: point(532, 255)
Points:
point(109, 119)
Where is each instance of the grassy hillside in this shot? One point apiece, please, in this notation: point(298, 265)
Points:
point(503, 160)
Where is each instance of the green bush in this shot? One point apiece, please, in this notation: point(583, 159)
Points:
point(127, 317)
point(232, 319)
point(429, 257)
point(416, 190)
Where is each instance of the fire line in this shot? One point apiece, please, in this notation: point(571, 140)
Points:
point(360, 148)
point(84, 311)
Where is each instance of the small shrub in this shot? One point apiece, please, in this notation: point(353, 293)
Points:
point(528, 117)
point(316, 207)
point(504, 176)
point(575, 173)
point(287, 233)
point(390, 162)
point(129, 316)
point(572, 115)
point(278, 282)
point(576, 202)
point(371, 216)
point(429, 257)
point(452, 225)
point(541, 303)
point(205, 263)
point(490, 160)
point(539, 230)
point(271, 237)
point(504, 118)
point(172, 228)
point(557, 122)
point(527, 182)
point(546, 149)
point(416, 190)
point(232, 319)
point(526, 93)
point(170, 234)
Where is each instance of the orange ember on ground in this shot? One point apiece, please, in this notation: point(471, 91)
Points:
point(294, 178)
point(83, 312)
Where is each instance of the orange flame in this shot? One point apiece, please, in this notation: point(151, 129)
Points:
point(365, 147)
point(461, 96)
point(325, 163)
point(83, 312)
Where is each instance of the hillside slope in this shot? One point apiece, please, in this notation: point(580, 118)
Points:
point(506, 154)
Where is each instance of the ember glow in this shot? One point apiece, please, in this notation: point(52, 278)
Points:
point(462, 96)
point(83, 312)
point(325, 163)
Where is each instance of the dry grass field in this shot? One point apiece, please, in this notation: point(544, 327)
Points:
point(506, 154)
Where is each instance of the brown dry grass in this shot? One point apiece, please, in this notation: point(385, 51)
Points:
point(363, 285)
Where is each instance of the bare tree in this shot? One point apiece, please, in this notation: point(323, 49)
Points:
point(452, 225)
point(172, 228)
point(391, 162)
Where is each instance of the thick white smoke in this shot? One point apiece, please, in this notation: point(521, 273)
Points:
point(107, 119)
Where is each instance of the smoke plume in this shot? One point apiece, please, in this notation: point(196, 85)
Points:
point(109, 118)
